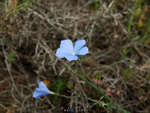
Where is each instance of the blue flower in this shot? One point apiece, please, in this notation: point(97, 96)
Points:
point(69, 52)
point(41, 91)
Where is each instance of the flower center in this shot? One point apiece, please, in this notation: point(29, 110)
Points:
point(73, 53)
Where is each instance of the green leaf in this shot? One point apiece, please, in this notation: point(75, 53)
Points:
point(11, 57)
point(102, 104)
point(98, 75)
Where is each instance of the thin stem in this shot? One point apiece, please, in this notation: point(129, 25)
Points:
point(65, 96)
point(113, 105)
point(82, 70)
point(91, 84)
point(93, 100)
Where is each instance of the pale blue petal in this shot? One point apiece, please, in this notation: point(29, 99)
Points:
point(78, 45)
point(61, 53)
point(37, 94)
point(83, 51)
point(43, 87)
point(67, 45)
point(41, 91)
point(41, 84)
point(71, 57)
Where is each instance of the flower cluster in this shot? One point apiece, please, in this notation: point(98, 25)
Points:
point(68, 51)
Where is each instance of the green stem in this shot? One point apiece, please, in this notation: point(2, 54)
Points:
point(91, 84)
point(95, 87)
point(96, 101)
point(81, 68)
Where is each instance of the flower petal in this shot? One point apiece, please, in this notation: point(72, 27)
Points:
point(78, 45)
point(67, 45)
point(61, 52)
point(41, 91)
point(83, 51)
point(41, 84)
point(71, 57)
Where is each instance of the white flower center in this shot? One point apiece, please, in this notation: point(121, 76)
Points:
point(73, 53)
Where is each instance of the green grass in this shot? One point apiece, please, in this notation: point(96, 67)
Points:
point(11, 57)
point(94, 6)
point(15, 8)
point(139, 21)
point(58, 87)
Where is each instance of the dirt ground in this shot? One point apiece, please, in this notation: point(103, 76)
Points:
point(118, 50)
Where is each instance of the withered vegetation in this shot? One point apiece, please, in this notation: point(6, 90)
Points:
point(29, 39)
